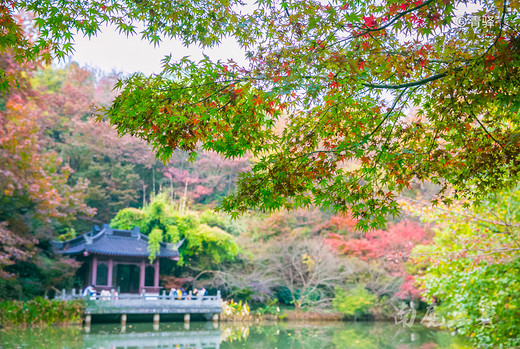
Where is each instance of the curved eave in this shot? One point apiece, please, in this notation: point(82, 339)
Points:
point(175, 258)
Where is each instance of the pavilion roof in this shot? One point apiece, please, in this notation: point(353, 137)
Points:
point(114, 242)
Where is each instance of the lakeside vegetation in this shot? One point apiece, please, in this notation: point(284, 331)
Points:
point(40, 312)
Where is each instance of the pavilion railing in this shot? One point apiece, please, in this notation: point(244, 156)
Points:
point(143, 296)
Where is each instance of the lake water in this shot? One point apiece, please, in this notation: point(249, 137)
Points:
point(203, 335)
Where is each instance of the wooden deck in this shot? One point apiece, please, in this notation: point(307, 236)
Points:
point(146, 303)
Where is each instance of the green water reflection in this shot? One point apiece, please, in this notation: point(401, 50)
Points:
point(229, 336)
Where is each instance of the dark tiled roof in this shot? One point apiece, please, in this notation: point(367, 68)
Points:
point(114, 242)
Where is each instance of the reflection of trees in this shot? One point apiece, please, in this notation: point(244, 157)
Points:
point(55, 337)
point(389, 336)
point(297, 335)
point(234, 333)
point(286, 336)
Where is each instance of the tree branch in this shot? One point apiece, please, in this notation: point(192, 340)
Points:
point(409, 84)
point(368, 30)
point(481, 125)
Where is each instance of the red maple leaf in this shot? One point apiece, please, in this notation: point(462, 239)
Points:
point(370, 22)
point(393, 9)
point(258, 101)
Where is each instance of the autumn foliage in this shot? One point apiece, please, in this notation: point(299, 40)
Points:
point(34, 189)
point(390, 248)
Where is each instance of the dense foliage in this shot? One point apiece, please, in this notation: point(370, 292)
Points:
point(472, 269)
point(344, 74)
point(203, 245)
point(40, 312)
point(36, 194)
point(355, 302)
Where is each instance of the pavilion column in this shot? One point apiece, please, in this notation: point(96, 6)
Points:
point(94, 270)
point(141, 276)
point(156, 273)
point(110, 271)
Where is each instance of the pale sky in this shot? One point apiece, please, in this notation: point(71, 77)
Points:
point(112, 51)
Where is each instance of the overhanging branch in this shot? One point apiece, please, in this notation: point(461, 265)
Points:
point(410, 84)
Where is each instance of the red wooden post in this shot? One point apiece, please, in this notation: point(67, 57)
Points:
point(141, 276)
point(110, 268)
point(94, 270)
point(156, 273)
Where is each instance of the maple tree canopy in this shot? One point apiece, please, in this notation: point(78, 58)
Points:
point(324, 102)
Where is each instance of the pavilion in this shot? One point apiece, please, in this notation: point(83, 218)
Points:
point(117, 259)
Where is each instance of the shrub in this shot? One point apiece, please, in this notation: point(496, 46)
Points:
point(235, 311)
point(40, 312)
point(355, 302)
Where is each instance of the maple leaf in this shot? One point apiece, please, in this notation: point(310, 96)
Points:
point(370, 22)
point(258, 100)
point(393, 8)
